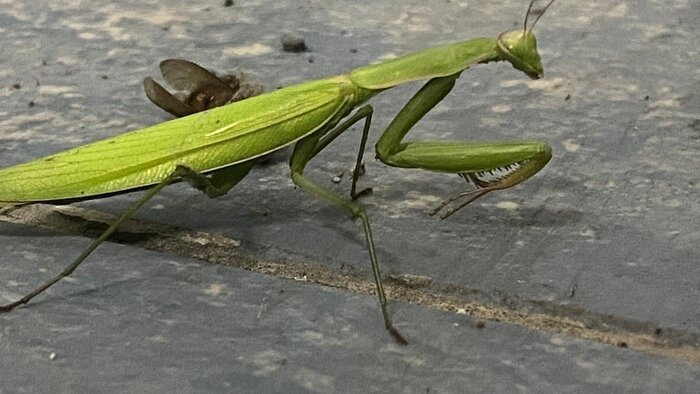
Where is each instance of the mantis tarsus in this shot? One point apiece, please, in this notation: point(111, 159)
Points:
point(224, 142)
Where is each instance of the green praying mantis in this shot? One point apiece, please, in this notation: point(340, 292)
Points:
point(214, 149)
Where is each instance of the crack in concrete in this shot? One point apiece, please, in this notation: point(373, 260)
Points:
point(536, 315)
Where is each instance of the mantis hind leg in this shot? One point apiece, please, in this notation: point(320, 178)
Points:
point(79, 260)
point(220, 182)
point(489, 165)
point(308, 148)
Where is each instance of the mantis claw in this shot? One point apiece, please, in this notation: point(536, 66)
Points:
point(397, 335)
point(364, 192)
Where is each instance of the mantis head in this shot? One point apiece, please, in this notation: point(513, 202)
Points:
point(520, 47)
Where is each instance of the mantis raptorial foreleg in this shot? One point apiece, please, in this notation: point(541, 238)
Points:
point(470, 160)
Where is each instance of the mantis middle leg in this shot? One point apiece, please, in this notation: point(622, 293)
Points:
point(308, 148)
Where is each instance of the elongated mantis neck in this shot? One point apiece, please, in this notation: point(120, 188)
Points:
point(517, 47)
point(489, 48)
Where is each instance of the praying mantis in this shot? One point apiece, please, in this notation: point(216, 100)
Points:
point(214, 149)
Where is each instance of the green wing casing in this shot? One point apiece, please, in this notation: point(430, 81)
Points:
point(203, 141)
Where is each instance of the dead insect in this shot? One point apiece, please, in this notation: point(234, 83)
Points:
point(198, 89)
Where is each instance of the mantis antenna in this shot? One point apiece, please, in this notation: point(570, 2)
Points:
point(527, 14)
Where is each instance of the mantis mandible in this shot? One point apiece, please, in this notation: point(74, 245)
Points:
point(214, 149)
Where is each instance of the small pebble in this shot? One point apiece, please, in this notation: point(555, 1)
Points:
point(292, 43)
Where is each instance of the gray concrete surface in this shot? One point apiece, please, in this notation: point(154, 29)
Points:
point(606, 235)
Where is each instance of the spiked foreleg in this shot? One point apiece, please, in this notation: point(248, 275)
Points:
point(489, 165)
